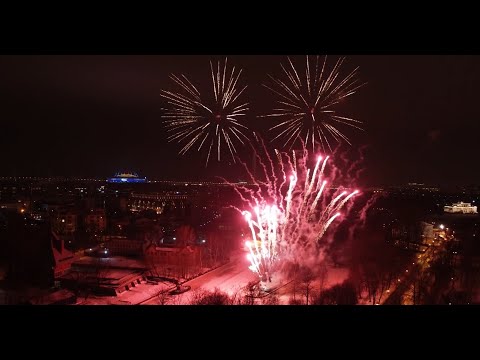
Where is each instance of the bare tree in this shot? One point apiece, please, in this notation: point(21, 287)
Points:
point(375, 265)
point(153, 266)
point(322, 276)
point(153, 234)
point(162, 297)
point(306, 282)
point(177, 300)
point(271, 300)
point(340, 294)
point(196, 296)
point(292, 270)
point(251, 292)
point(215, 247)
point(294, 301)
point(185, 235)
point(238, 297)
point(215, 297)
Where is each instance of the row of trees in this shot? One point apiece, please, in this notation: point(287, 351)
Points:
point(375, 265)
point(251, 294)
point(341, 294)
point(248, 295)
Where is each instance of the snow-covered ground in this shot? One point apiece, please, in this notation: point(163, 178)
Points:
point(335, 275)
point(229, 278)
point(235, 275)
point(135, 295)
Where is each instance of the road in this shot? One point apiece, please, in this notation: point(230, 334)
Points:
point(413, 271)
point(228, 278)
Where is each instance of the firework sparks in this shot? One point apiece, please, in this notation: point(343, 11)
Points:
point(288, 222)
point(307, 103)
point(196, 122)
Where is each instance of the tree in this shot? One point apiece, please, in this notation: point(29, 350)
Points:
point(292, 272)
point(251, 292)
point(185, 235)
point(215, 247)
point(322, 276)
point(375, 265)
point(215, 297)
point(162, 297)
point(340, 294)
point(237, 298)
point(156, 268)
point(153, 234)
point(307, 278)
point(271, 300)
point(294, 301)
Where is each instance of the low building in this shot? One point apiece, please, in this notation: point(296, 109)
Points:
point(166, 202)
point(103, 276)
point(460, 208)
point(173, 260)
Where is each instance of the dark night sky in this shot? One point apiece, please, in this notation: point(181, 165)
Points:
point(95, 115)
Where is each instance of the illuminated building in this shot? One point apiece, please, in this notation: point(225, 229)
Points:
point(166, 202)
point(126, 178)
point(64, 222)
point(460, 208)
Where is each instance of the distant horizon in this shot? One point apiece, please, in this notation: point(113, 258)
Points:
point(215, 181)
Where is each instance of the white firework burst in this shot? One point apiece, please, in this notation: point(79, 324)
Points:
point(307, 103)
point(214, 122)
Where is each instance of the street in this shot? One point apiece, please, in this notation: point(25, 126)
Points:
point(229, 278)
point(402, 294)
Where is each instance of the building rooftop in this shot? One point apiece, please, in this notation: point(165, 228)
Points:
point(126, 177)
point(117, 262)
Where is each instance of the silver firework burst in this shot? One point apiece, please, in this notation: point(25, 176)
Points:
point(200, 121)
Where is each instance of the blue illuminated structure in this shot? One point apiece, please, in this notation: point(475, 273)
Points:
point(126, 178)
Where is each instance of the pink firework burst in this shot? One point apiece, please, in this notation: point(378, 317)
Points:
point(290, 212)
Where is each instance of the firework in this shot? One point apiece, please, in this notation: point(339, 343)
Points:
point(213, 121)
point(307, 103)
point(288, 220)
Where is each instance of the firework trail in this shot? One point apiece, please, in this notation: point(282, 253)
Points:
point(307, 103)
point(288, 222)
point(196, 121)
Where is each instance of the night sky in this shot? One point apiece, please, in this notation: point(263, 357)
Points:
point(96, 115)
